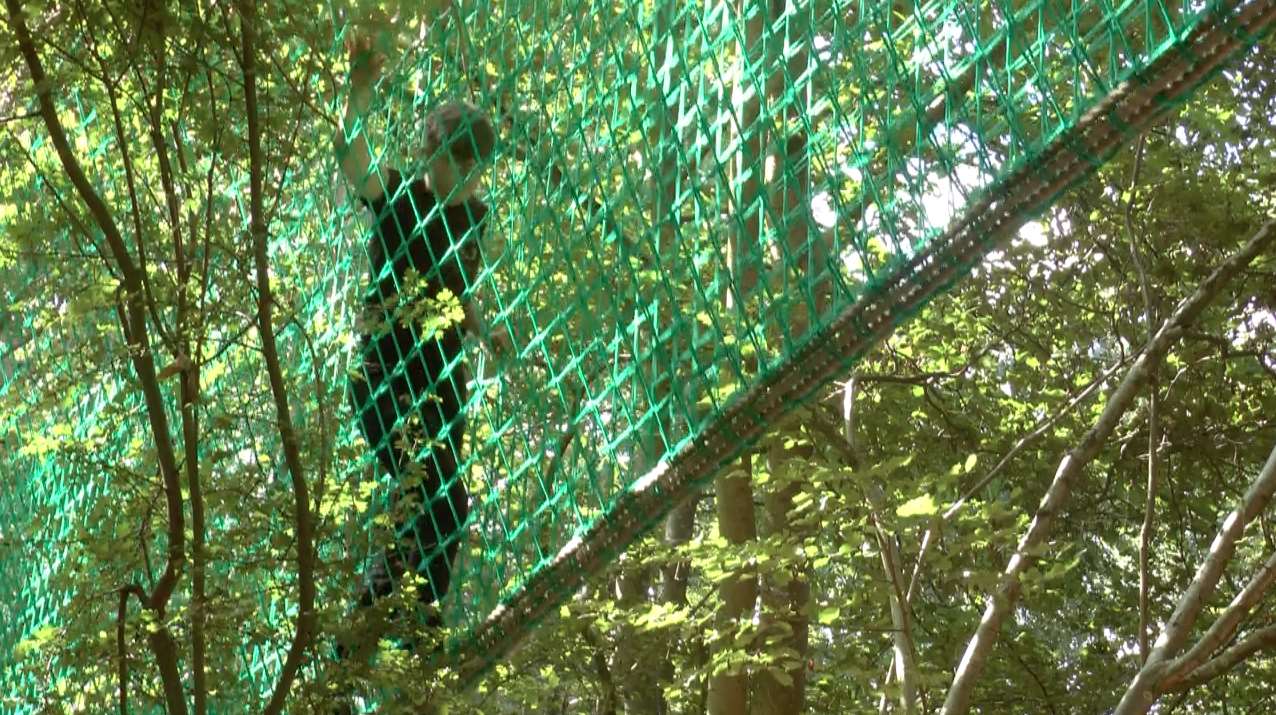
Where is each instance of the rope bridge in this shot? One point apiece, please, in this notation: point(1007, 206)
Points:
point(697, 215)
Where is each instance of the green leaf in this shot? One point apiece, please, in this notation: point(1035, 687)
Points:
point(923, 505)
point(971, 461)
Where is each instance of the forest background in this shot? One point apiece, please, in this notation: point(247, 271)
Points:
point(844, 566)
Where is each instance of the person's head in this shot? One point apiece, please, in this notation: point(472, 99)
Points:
point(459, 142)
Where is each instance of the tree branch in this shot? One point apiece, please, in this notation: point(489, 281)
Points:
point(288, 435)
point(1154, 421)
point(1042, 427)
point(1261, 639)
point(1147, 684)
point(1006, 595)
point(142, 357)
point(1224, 627)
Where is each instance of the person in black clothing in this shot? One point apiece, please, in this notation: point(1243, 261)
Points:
point(409, 393)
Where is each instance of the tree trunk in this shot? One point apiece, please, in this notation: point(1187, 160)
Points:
point(674, 577)
point(785, 596)
point(680, 524)
point(781, 690)
point(634, 662)
point(905, 664)
point(729, 681)
point(679, 527)
point(729, 690)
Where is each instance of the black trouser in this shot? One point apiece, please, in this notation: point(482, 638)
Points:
point(404, 410)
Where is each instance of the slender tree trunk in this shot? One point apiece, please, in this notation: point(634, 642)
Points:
point(749, 88)
point(679, 527)
point(675, 576)
point(302, 521)
point(904, 663)
point(901, 618)
point(729, 686)
point(1147, 531)
point(680, 524)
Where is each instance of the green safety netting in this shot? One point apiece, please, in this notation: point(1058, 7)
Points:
point(698, 214)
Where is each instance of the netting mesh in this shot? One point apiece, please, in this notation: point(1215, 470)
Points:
point(696, 215)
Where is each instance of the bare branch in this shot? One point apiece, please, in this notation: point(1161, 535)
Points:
point(729, 693)
point(1003, 599)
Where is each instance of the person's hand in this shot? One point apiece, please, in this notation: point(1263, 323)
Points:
point(365, 63)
